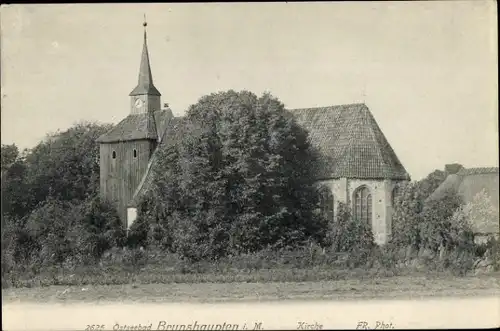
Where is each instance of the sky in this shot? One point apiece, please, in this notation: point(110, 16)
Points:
point(428, 70)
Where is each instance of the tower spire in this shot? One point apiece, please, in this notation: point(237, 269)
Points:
point(145, 82)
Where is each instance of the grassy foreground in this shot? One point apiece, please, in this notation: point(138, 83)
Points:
point(397, 287)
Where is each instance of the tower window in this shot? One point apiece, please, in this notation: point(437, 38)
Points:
point(114, 155)
point(135, 153)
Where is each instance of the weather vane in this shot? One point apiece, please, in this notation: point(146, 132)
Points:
point(145, 22)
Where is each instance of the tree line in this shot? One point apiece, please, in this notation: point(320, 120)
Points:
point(241, 180)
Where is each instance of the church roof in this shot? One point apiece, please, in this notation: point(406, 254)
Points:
point(350, 142)
point(145, 83)
point(138, 126)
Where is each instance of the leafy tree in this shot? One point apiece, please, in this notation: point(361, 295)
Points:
point(10, 154)
point(46, 230)
point(406, 218)
point(240, 179)
point(138, 234)
point(101, 228)
point(65, 165)
point(478, 216)
point(15, 197)
point(480, 213)
point(436, 225)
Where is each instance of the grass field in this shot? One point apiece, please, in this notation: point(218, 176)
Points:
point(397, 287)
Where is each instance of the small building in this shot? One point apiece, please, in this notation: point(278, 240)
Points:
point(469, 184)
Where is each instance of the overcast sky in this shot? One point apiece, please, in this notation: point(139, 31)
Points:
point(427, 70)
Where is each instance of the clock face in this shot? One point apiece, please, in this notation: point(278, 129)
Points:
point(138, 103)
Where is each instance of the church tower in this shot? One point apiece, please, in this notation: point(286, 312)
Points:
point(125, 151)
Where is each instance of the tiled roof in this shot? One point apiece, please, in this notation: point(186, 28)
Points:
point(172, 134)
point(350, 142)
point(478, 171)
point(138, 126)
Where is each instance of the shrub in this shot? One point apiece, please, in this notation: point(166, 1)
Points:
point(138, 233)
point(347, 234)
point(101, 228)
point(49, 228)
point(406, 218)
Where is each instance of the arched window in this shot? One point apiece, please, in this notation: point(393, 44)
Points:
point(135, 153)
point(114, 155)
point(363, 205)
point(327, 203)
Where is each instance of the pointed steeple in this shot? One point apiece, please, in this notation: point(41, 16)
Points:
point(145, 84)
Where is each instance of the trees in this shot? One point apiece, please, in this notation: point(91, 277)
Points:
point(10, 154)
point(240, 179)
point(480, 214)
point(65, 165)
point(436, 224)
point(15, 190)
point(50, 208)
point(429, 224)
point(407, 216)
point(101, 228)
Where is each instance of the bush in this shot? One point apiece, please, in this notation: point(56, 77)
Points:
point(439, 227)
point(406, 218)
point(52, 228)
point(348, 235)
point(433, 225)
point(491, 249)
point(101, 228)
point(387, 256)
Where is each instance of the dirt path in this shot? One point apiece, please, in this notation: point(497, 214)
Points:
point(386, 288)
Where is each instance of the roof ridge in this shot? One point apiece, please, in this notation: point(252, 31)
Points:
point(474, 168)
point(477, 171)
point(331, 106)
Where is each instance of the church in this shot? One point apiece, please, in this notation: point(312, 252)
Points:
point(361, 169)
